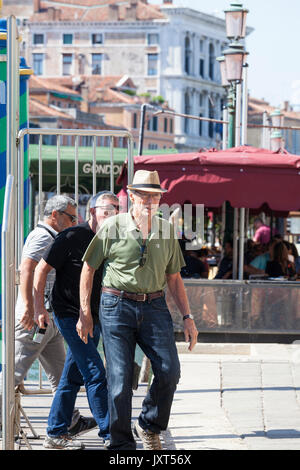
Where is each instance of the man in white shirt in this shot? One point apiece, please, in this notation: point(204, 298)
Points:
point(59, 214)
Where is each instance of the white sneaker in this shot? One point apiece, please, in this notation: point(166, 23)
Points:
point(65, 442)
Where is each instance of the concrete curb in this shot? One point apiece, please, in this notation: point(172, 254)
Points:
point(214, 348)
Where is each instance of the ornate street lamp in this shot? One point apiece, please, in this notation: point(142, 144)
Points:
point(233, 65)
point(234, 60)
point(276, 141)
point(277, 118)
point(225, 83)
point(235, 18)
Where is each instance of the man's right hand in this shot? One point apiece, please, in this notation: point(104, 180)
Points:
point(27, 320)
point(85, 326)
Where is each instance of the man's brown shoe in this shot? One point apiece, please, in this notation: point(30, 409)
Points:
point(150, 440)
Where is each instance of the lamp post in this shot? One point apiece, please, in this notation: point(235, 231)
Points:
point(224, 82)
point(232, 70)
point(276, 141)
point(277, 118)
point(234, 60)
point(235, 17)
point(276, 136)
point(142, 124)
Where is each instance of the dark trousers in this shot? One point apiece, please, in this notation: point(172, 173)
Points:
point(83, 365)
point(126, 323)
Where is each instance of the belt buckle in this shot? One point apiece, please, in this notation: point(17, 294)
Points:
point(144, 297)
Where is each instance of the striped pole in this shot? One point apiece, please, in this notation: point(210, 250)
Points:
point(25, 73)
point(3, 139)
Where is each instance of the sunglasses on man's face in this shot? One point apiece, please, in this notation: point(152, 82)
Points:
point(110, 208)
point(72, 217)
point(146, 196)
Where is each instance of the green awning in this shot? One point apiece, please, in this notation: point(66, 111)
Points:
point(67, 156)
point(85, 163)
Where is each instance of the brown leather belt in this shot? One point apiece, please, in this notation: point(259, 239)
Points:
point(132, 296)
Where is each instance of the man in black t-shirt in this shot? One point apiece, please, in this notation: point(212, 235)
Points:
point(194, 268)
point(225, 266)
point(83, 363)
point(65, 257)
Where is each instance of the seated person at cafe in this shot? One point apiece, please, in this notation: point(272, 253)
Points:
point(225, 266)
point(280, 265)
point(194, 266)
point(259, 263)
point(295, 253)
point(290, 251)
point(262, 232)
point(202, 255)
point(249, 250)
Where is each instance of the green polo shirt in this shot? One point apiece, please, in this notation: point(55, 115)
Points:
point(118, 243)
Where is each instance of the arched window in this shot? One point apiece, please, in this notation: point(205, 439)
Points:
point(187, 56)
point(211, 61)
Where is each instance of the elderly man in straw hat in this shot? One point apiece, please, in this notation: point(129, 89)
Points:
point(141, 256)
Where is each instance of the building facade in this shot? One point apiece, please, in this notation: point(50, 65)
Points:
point(260, 112)
point(189, 74)
point(92, 102)
point(167, 51)
point(56, 106)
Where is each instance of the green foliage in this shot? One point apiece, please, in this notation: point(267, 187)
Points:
point(129, 92)
point(158, 99)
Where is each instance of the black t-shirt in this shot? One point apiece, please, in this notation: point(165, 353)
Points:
point(65, 255)
point(225, 266)
point(194, 267)
point(274, 269)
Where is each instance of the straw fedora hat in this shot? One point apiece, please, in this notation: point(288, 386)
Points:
point(148, 181)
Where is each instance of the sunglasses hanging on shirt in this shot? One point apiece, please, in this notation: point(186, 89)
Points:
point(143, 255)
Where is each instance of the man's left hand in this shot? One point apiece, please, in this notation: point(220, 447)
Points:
point(190, 332)
point(41, 317)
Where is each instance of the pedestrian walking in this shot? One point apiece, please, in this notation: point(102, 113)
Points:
point(59, 214)
point(141, 257)
point(83, 363)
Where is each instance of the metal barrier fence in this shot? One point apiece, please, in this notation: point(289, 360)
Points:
point(9, 234)
point(8, 306)
point(246, 307)
point(93, 134)
point(13, 239)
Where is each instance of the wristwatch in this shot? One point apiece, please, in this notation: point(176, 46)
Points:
point(185, 317)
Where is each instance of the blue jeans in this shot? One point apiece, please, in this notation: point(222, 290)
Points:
point(124, 323)
point(83, 365)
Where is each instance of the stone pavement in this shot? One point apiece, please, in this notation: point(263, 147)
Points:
point(230, 397)
point(244, 397)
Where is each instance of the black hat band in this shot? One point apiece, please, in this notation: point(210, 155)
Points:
point(146, 185)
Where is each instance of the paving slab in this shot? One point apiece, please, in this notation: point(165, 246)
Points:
point(230, 397)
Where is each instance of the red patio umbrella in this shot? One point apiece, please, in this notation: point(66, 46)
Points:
point(245, 176)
